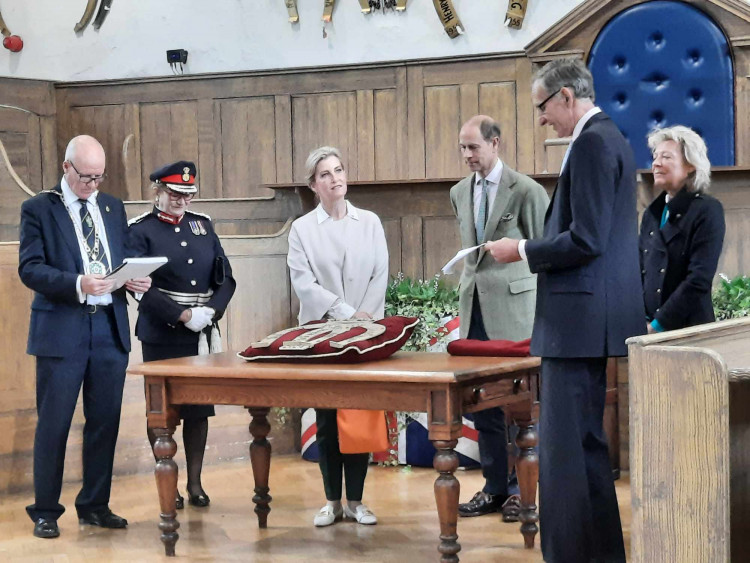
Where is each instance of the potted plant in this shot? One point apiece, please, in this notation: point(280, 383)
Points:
point(731, 298)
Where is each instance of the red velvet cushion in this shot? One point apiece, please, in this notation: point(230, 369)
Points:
point(466, 347)
point(397, 332)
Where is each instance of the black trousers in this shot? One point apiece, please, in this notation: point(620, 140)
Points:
point(579, 517)
point(490, 424)
point(98, 366)
point(333, 464)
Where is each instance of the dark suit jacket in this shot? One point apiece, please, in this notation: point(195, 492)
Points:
point(678, 261)
point(49, 262)
point(588, 288)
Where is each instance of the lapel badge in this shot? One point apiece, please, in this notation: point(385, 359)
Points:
point(194, 228)
point(106, 208)
point(507, 217)
point(203, 230)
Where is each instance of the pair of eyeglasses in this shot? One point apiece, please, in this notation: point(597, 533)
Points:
point(88, 178)
point(176, 196)
point(543, 105)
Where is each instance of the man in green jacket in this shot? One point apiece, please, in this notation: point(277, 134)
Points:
point(496, 301)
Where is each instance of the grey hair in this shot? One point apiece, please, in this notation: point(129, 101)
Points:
point(694, 151)
point(311, 164)
point(570, 73)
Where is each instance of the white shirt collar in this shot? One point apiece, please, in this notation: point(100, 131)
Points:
point(322, 215)
point(583, 121)
point(495, 174)
point(69, 197)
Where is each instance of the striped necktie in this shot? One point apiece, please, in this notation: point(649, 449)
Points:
point(482, 215)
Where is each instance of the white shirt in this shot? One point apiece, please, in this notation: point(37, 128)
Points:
point(576, 133)
point(73, 204)
point(493, 181)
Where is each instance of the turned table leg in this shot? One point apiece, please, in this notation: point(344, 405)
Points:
point(527, 469)
point(260, 458)
point(447, 489)
point(166, 484)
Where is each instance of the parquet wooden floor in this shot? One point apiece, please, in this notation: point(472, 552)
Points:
point(227, 530)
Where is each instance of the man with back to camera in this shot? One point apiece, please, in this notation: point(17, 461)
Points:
point(496, 301)
point(70, 238)
point(588, 302)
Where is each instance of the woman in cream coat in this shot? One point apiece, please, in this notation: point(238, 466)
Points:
point(338, 261)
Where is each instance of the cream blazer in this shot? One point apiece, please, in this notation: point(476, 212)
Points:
point(317, 279)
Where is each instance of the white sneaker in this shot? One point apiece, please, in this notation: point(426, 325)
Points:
point(361, 514)
point(327, 516)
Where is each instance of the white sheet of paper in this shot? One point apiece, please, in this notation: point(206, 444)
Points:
point(460, 255)
point(136, 268)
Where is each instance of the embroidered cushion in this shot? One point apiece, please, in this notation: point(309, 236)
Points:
point(348, 341)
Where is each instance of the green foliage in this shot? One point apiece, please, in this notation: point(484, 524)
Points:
point(731, 298)
point(429, 300)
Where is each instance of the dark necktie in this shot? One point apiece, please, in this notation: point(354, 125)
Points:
point(89, 236)
point(482, 215)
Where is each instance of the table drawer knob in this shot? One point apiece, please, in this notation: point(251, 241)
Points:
point(479, 394)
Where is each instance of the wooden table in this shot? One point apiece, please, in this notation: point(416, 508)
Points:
point(443, 386)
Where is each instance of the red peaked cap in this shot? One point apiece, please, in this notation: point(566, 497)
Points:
point(178, 176)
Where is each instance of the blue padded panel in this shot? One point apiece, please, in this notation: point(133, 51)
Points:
point(666, 63)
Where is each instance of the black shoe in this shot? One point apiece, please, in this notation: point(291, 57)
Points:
point(511, 509)
point(46, 528)
point(104, 518)
point(200, 500)
point(179, 502)
point(481, 503)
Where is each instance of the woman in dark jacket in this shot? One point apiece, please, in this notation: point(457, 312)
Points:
point(177, 317)
point(682, 233)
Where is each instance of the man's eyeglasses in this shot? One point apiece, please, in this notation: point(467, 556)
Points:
point(543, 105)
point(176, 196)
point(88, 178)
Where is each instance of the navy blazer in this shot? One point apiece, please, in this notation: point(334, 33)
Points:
point(678, 261)
point(49, 262)
point(588, 288)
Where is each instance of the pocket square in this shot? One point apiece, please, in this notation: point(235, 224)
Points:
point(507, 217)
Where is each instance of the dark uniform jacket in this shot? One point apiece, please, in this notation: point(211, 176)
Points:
point(197, 266)
point(49, 262)
point(588, 293)
point(678, 260)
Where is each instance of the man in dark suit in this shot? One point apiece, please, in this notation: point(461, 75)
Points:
point(71, 237)
point(588, 303)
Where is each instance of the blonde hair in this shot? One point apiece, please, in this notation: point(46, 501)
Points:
point(694, 152)
point(311, 164)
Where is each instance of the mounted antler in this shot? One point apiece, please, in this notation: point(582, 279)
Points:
point(102, 14)
point(86, 17)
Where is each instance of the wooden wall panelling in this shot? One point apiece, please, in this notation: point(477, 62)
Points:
point(325, 119)
point(412, 259)
point(498, 100)
point(441, 241)
point(14, 133)
point(742, 101)
point(36, 96)
point(169, 132)
point(284, 147)
point(111, 125)
point(442, 121)
point(416, 122)
point(365, 135)
point(247, 143)
point(526, 116)
point(392, 228)
point(388, 149)
point(209, 149)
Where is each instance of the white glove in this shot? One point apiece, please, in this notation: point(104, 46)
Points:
point(200, 319)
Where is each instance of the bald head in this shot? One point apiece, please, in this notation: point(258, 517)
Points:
point(84, 160)
point(479, 141)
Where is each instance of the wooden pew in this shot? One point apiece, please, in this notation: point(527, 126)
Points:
point(690, 444)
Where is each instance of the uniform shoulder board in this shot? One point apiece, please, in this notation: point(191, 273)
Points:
point(138, 219)
point(200, 214)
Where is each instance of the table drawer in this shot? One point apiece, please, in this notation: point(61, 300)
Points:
point(492, 391)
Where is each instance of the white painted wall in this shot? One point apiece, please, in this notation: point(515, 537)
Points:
point(239, 35)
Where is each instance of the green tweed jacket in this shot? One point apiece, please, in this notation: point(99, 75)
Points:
point(507, 292)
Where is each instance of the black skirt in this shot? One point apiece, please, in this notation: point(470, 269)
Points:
point(153, 352)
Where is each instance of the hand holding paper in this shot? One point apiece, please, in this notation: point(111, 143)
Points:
point(460, 255)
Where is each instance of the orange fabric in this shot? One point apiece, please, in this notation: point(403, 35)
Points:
point(361, 431)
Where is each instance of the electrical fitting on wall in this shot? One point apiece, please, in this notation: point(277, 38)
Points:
point(176, 58)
